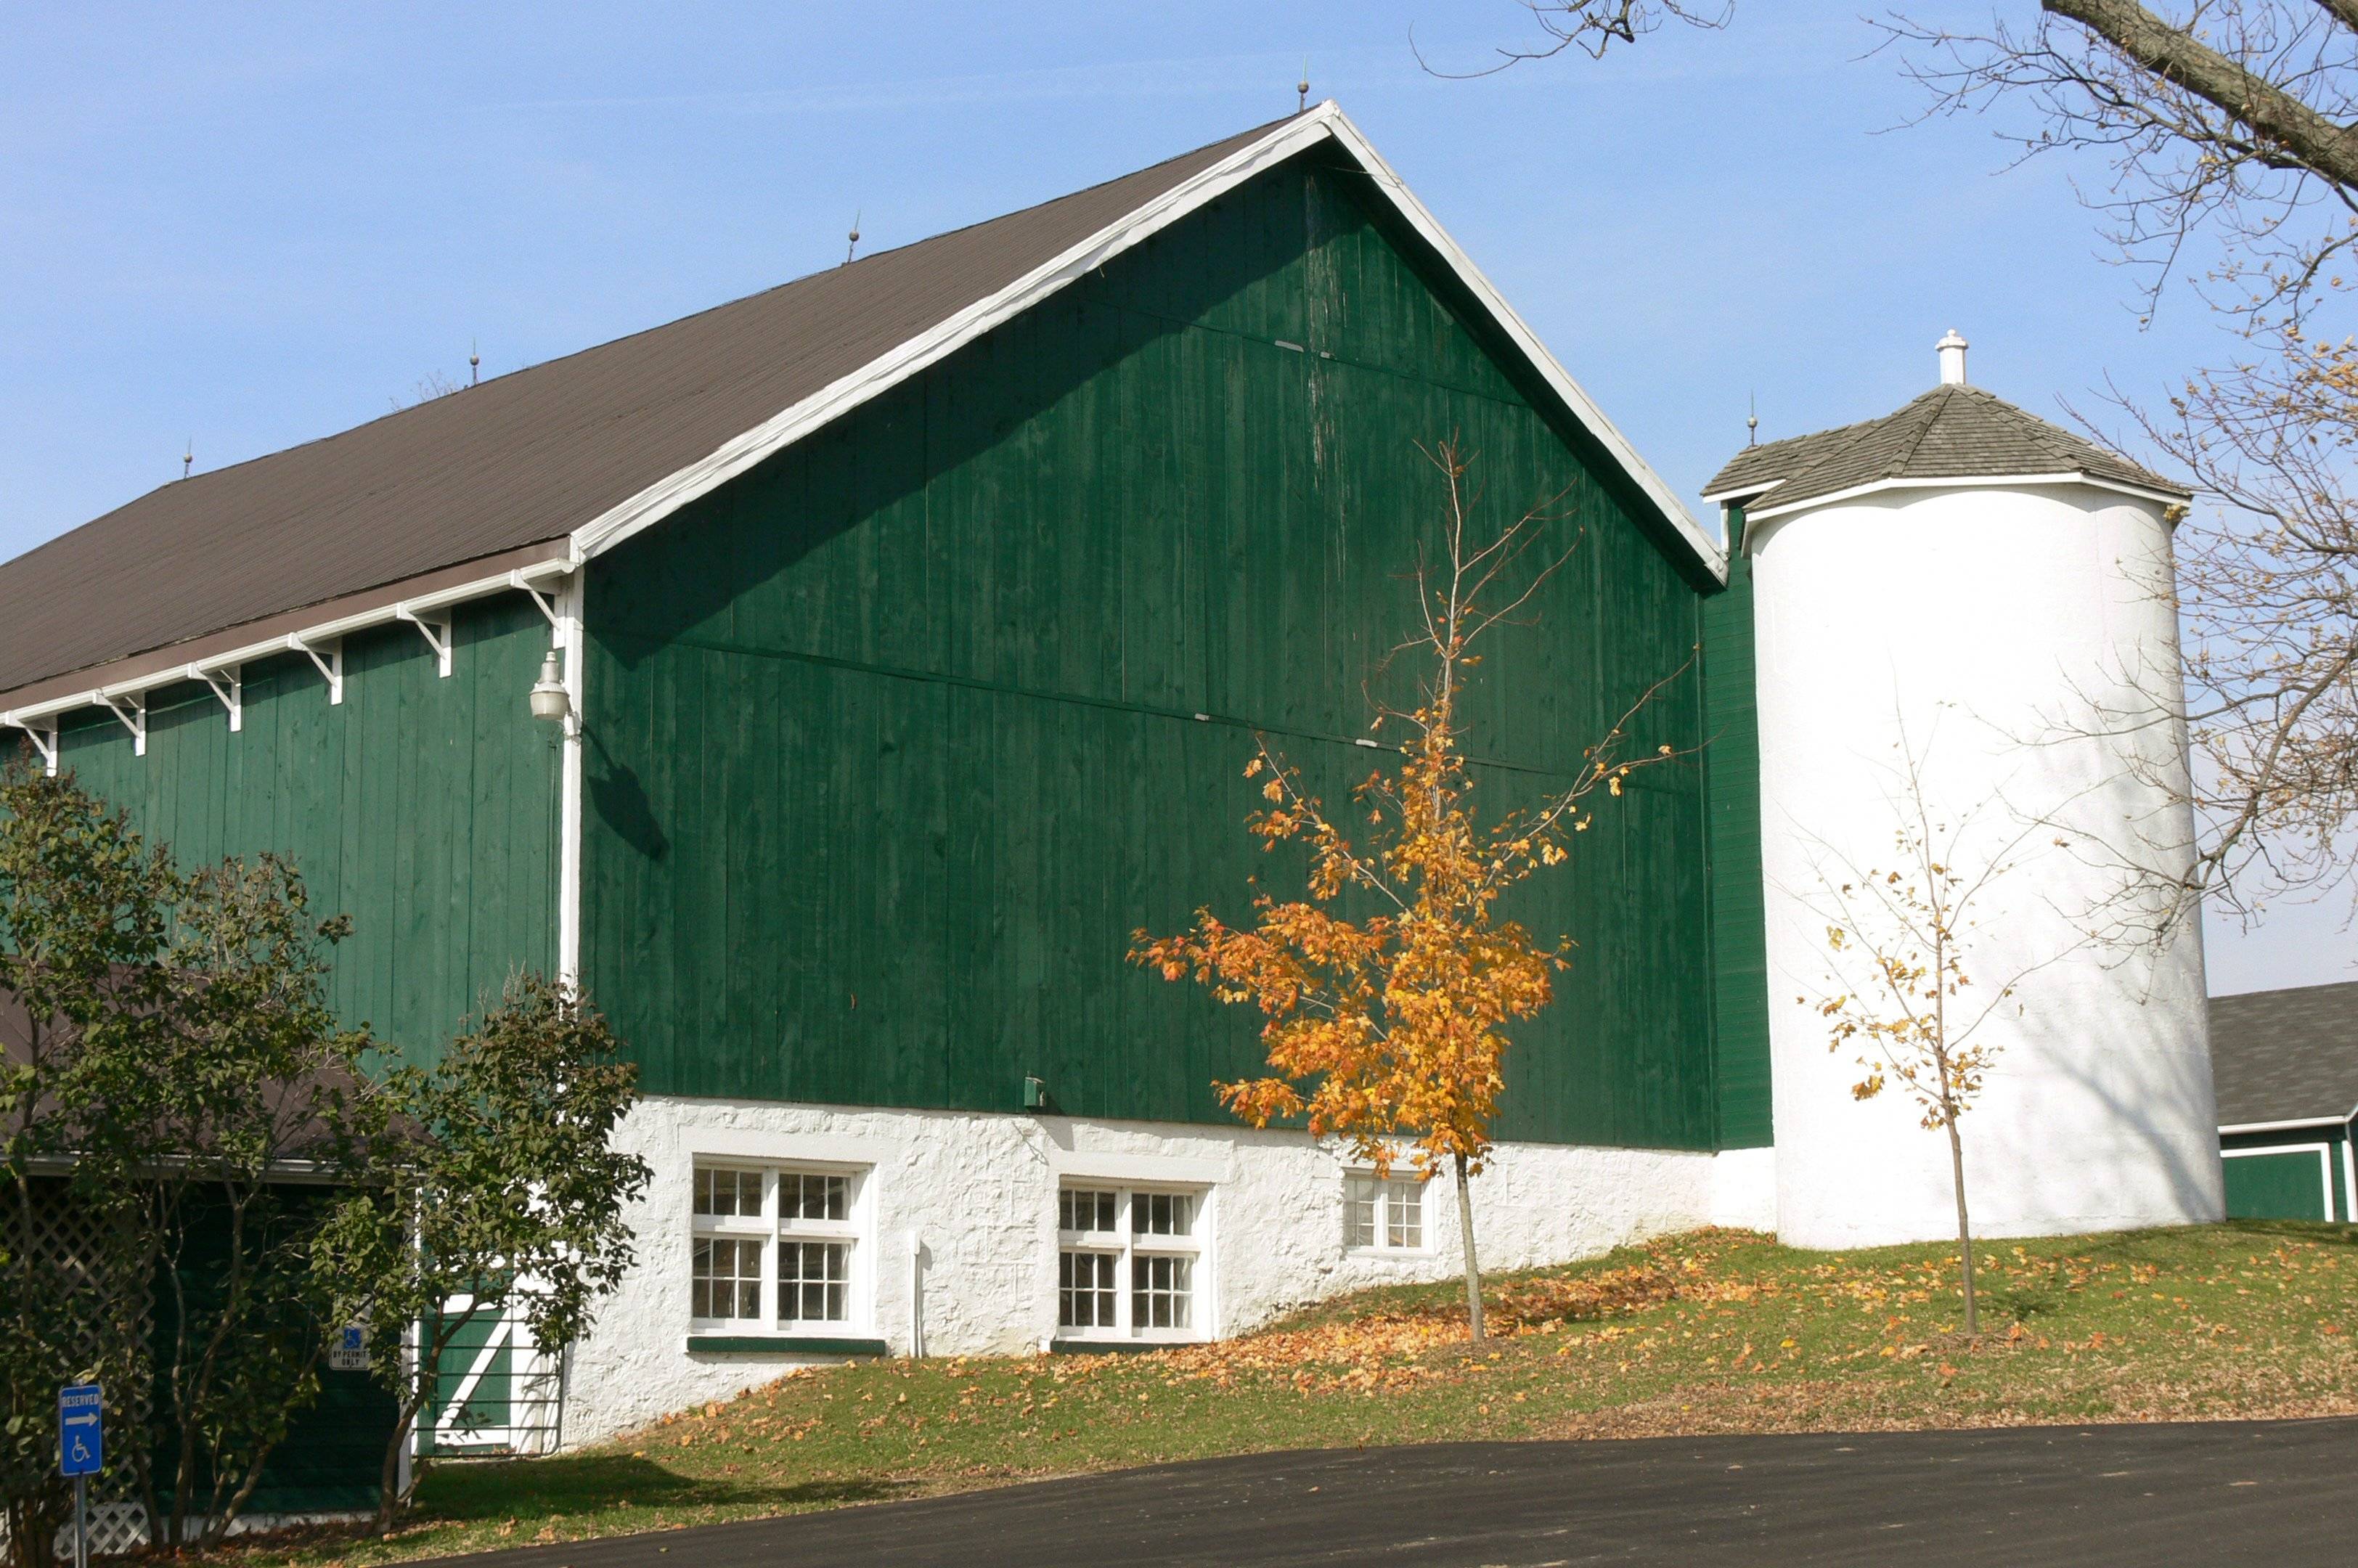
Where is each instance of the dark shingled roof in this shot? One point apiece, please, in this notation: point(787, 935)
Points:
point(2287, 1055)
point(1953, 431)
point(523, 457)
point(300, 1126)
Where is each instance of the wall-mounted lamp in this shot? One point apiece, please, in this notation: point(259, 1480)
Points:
point(549, 700)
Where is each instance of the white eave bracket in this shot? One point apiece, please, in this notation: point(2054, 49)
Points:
point(432, 612)
point(541, 597)
point(45, 742)
point(330, 660)
point(131, 709)
point(228, 684)
point(436, 629)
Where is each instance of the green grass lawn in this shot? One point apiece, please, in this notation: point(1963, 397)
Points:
point(1714, 1330)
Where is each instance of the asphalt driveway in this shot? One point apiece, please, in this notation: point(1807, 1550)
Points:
point(2282, 1493)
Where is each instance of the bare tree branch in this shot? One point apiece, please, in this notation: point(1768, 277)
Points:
point(1590, 27)
point(2178, 55)
point(2270, 588)
point(2238, 118)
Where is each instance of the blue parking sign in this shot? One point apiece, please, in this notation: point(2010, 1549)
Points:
point(82, 1437)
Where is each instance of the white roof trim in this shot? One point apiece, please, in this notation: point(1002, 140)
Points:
point(24, 718)
point(1967, 481)
point(1326, 121)
point(2295, 1125)
point(1738, 492)
point(1583, 408)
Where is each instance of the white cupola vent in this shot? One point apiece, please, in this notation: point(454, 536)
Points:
point(1952, 358)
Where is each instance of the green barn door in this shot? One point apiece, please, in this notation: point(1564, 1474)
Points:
point(2277, 1185)
point(494, 1392)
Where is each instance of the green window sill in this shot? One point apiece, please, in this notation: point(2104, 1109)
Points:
point(1113, 1346)
point(781, 1345)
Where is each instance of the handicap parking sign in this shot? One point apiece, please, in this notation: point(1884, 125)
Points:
point(81, 1438)
point(349, 1353)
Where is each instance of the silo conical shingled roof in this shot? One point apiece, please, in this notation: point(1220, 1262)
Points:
point(1955, 431)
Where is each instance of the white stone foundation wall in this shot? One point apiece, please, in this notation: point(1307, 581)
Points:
point(1744, 1189)
point(979, 1194)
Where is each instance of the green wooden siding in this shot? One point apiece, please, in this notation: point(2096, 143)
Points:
point(424, 808)
point(1738, 917)
point(332, 1456)
point(893, 742)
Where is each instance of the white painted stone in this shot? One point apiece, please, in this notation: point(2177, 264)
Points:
point(1744, 1189)
point(979, 1190)
point(1997, 621)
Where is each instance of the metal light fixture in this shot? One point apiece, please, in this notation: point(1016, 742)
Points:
point(549, 700)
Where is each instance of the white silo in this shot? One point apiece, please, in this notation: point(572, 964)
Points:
point(1962, 581)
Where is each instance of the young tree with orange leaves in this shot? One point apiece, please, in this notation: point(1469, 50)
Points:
point(1389, 1032)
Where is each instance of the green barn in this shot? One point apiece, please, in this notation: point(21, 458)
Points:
point(907, 628)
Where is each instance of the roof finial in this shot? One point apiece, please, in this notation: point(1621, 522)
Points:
point(187, 457)
point(1302, 86)
point(474, 362)
point(1952, 358)
point(1752, 419)
point(851, 248)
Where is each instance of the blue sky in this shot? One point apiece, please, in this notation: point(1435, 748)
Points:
point(244, 227)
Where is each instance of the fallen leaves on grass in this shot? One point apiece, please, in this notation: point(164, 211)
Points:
point(1713, 1330)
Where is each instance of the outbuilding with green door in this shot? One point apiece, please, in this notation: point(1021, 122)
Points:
point(2285, 1063)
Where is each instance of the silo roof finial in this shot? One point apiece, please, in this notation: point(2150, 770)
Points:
point(1952, 358)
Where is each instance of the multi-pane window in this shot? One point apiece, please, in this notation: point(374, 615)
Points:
point(727, 1276)
point(722, 1192)
point(1084, 1290)
point(775, 1247)
point(1160, 1292)
point(1082, 1208)
point(1162, 1214)
point(813, 1194)
point(814, 1282)
point(1383, 1216)
point(1128, 1261)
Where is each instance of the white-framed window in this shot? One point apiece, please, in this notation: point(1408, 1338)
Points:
point(1384, 1213)
point(1130, 1261)
point(777, 1248)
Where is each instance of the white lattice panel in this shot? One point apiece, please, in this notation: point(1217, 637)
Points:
point(68, 1246)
